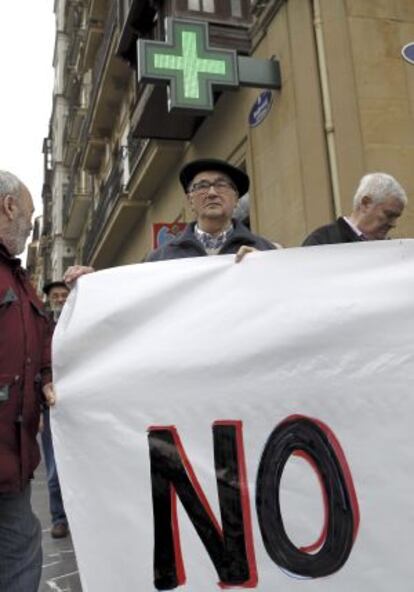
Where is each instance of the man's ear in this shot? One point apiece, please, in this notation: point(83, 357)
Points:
point(9, 207)
point(190, 201)
point(366, 201)
point(235, 202)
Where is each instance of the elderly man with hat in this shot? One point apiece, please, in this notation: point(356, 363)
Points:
point(56, 294)
point(213, 188)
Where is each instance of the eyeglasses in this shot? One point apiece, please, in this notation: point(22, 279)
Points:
point(220, 185)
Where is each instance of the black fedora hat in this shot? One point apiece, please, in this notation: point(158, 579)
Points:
point(191, 169)
point(50, 285)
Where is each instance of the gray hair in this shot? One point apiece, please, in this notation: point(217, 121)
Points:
point(379, 186)
point(9, 184)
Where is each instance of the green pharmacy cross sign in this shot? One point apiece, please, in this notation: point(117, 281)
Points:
point(192, 68)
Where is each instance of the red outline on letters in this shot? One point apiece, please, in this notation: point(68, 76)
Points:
point(322, 537)
point(333, 440)
point(245, 500)
point(179, 563)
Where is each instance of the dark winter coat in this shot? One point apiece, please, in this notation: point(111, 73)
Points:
point(187, 245)
point(337, 232)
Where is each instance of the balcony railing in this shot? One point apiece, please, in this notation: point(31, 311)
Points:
point(74, 188)
point(72, 131)
point(96, 9)
point(112, 190)
point(73, 51)
point(136, 148)
point(47, 204)
point(98, 69)
point(73, 14)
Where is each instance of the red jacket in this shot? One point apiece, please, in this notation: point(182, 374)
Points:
point(24, 366)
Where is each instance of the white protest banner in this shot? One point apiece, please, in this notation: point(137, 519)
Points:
point(241, 425)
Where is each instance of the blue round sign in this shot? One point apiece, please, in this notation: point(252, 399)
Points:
point(261, 108)
point(408, 52)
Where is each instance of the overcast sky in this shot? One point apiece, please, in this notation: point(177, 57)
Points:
point(27, 33)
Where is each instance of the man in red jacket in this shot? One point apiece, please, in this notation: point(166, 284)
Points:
point(25, 371)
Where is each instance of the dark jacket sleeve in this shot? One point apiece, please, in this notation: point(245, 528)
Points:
point(317, 237)
point(329, 234)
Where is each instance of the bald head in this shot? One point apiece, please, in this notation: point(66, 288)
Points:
point(16, 210)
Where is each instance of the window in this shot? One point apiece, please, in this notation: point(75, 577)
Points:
point(236, 9)
point(201, 5)
point(221, 9)
point(208, 5)
point(49, 155)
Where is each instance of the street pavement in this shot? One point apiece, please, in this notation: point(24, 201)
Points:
point(60, 572)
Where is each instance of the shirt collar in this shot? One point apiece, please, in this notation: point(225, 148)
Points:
point(210, 241)
point(357, 231)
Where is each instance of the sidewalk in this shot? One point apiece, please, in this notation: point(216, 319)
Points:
point(60, 572)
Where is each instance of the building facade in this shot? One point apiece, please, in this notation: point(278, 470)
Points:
point(345, 107)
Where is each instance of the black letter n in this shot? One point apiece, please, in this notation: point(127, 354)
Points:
point(230, 548)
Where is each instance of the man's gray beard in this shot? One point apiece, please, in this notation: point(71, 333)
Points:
point(15, 239)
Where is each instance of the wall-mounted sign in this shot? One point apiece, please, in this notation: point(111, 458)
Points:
point(408, 52)
point(188, 64)
point(261, 108)
point(163, 232)
point(193, 69)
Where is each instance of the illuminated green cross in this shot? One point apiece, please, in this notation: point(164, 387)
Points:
point(188, 64)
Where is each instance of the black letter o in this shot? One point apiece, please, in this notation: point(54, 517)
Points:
point(300, 433)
